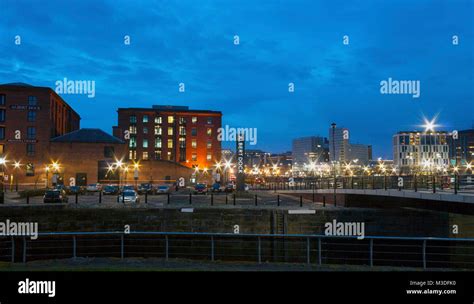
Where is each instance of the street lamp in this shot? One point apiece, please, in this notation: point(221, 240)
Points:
point(16, 166)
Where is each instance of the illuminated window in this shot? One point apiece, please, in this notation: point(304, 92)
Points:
point(170, 119)
point(158, 130)
point(170, 144)
point(170, 131)
point(194, 119)
point(209, 131)
point(158, 120)
point(209, 156)
point(158, 142)
point(209, 144)
point(133, 119)
point(194, 157)
point(145, 143)
point(133, 129)
point(194, 143)
point(145, 118)
point(145, 155)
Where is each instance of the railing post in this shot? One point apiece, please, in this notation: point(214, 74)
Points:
point(190, 199)
point(424, 254)
point(27, 199)
point(301, 200)
point(77, 197)
point(13, 250)
point(320, 260)
point(212, 248)
point(226, 199)
point(166, 248)
point(146, 197)
point(256, 200)
point(324, 200)
point(371, 253)
point(122, 245)
point(234, 198)
point(74, 247)
point(212, 199)
point(278, 200)
point(100, 197)
point(24, 250)
point(168, 198)
point(308, 255)
point(259, 249)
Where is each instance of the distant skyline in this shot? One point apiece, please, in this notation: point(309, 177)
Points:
point(280, 42)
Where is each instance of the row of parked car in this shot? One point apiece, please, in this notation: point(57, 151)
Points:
point(216, 187)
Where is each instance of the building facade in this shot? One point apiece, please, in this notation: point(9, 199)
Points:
point(309, 149)
point(426, 151)
point(343, 151)
point(29, 117)
point(461, 150)
point(172, 133)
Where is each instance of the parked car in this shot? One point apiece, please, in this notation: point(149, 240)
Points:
point(216, 187)
point(200, 189)
point(55, 196)
point(128, 188)
point(128, 196)
point(163, 189)
point(229, 187)
point(146, 188)
point(75, 190)
point(93, 187)
point(110, 190)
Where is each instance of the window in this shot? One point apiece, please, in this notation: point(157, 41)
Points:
point(182, 142)
point(30, 169)
point(145, 155)
point(157, 130)
point(158, 142)
point(182, 120)
point(132, 129)
point(209, 120)
point(209, 156)
point(194, 143)
point(133, 142)
point(209, 132)
point(32, 101)
point(158, 120)
point(2, 115)
point(109, 152)
point(145, 130)
point(209, 144)
point(31, 116)
point(30, 149)
point(194, 119)
point(194, 157)
point(2, 133)
point(132, 154)
point(133, 119)
point(170, 119)
point(3, 99)
point(170, 144)
point(145, 143)
point(2, 149)
point(145, 118)
point(170, 156)
point(182, 131)
point(31, 133)
point(157, 154)
point(170, 131)
point(194, 132)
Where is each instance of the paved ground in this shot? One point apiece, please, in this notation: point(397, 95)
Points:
point(141, 264)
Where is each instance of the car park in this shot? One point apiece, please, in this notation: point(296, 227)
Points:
point(75, 190)
point(93, 187)
point(216, 187)
point(229, 187)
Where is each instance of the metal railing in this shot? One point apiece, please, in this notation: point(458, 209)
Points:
point(423, 252)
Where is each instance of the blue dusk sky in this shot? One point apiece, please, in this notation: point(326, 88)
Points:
point(281, 42)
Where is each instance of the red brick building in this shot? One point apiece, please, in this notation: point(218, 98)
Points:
point(171, 133)
point(29, 117)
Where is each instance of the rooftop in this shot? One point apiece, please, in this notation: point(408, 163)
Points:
point(86, 135)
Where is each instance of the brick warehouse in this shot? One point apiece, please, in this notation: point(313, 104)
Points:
point(172, 133)
point(41, 132)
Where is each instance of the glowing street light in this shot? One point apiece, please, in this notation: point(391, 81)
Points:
point(430, 125)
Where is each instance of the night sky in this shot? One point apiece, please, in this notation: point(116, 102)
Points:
point(192, 42)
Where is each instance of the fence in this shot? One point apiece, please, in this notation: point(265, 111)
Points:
point(260, 248)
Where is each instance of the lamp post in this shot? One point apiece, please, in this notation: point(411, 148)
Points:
point(3, 162)
point(16, 167)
